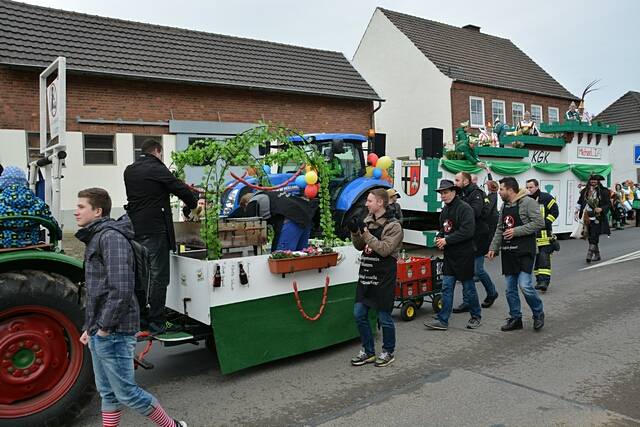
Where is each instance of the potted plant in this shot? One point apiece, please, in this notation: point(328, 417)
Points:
point(311, 258)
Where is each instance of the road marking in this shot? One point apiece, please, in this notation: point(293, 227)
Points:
point(628, 257)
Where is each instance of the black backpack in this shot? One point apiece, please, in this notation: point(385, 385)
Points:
point(142, 271)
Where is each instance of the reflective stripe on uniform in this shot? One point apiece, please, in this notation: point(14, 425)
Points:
point(551, 203)
point(551, 218)
point(542, 272)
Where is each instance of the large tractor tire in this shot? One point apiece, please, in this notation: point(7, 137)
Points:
point(46, 377)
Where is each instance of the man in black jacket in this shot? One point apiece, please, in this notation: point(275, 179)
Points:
point(149, 185)
point(475, 197)
point(545, 239)
point(455, 238)
point(594, 206)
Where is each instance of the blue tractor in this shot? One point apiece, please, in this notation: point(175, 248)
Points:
point(348, 185)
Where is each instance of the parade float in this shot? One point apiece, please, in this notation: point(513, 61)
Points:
point(560, 155)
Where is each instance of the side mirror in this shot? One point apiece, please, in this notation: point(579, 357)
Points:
point(337, 146)
point(264, 148)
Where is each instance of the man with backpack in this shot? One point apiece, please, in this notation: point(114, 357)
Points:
point(475, 197)
point(112, 312)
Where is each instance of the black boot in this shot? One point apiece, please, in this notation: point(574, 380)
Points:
point(462, 308)
point(596, 254)
point(542, 286)
point(489, 300)
point(590, 252)
point(538, 322)
point(512, 324)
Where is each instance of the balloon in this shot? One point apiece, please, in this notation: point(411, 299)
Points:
point(300, 181)
point(309, 168)
point(384, 162)
point(311, 191)
point(266, 169)
point(385, 175)
point(369, 171)
point(311, 177)
point(251, 171)
point(372, 158)
point(377, 173)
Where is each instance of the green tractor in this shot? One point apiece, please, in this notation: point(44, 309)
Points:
point(46, 376)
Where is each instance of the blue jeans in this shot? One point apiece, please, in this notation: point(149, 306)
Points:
point(524, 282)
point(484, 277)
point(293, 237)
point(112, 358)
point(361, 313)
point(469, 294)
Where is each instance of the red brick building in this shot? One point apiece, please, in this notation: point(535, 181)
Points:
point(437, 75)
point(127, 81)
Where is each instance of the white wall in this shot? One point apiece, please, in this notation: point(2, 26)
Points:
point(622, 157)
point(13, 148)
point(417, 94)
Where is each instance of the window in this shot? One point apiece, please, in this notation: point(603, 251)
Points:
point(497, 111)
point(554, 114)
point(517, 112)
point(33, 146)
point(138, 140)
point(99, 150)
point(536, 113)
point(476, 112)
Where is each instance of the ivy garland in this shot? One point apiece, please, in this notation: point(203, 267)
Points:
point(218, 156)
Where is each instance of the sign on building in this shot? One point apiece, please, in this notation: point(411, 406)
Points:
point(52, 107)
point(589, 153)
point(636, 154)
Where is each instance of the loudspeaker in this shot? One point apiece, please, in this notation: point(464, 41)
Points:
point(380, 144)
point(432, 143)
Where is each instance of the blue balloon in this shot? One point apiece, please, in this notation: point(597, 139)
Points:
point(301, 181)
point(377, 173)
point(266, 169)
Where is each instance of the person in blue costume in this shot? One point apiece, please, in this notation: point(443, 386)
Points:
point(16, 198)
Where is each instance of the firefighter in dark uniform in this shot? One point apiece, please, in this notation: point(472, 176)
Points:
point(545, 240)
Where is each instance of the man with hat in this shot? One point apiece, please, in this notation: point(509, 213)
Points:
point(594, 205)
point(457, 226)
point(519, 222)
point(394, 210)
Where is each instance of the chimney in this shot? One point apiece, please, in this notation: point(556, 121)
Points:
point(472, 27)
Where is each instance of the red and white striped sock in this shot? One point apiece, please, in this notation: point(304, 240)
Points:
point(161, 418)
point(111, 419)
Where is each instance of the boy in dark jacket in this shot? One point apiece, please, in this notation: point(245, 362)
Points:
point(457, 225)
point(111, 316)
point(149, 185)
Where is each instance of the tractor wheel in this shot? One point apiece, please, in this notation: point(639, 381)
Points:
point(210, 344)
point(436, 303)
point(419, 301)
point(46, 375)
point(408, 311)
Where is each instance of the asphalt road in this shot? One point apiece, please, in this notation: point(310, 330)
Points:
point(582, 369)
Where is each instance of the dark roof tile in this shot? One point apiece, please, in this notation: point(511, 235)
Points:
point(34, 36)
point(624, 112)
point(471, 56)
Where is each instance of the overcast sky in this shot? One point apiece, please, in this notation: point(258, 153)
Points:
point(574, 41)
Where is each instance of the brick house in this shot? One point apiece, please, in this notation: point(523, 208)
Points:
point(625, 112)
point(128, 81)
point(437, 75)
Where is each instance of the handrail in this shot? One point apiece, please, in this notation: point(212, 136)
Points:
point(55, 232)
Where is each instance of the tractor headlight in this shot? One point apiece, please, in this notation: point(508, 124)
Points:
point(231, 201)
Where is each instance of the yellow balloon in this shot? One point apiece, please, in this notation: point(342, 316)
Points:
point(384, 162)
point(369, 171)
point(309, 168)
point(311, 177)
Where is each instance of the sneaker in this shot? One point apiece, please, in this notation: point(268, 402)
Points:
point(538, 322)
point(462, 308)
point(436, 325)
point(384, 359)
point(363, 358)
point(180, 423)
point(512, 324)
point(489, 300)
point(473, 323)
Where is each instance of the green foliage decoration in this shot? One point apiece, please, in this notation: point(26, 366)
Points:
point(217, 156)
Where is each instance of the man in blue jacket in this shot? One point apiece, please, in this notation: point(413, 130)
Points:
point(112, 315)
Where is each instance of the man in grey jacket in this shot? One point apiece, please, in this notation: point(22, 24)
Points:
point(515, 238)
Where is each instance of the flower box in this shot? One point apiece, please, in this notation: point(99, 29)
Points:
point(301, 263)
